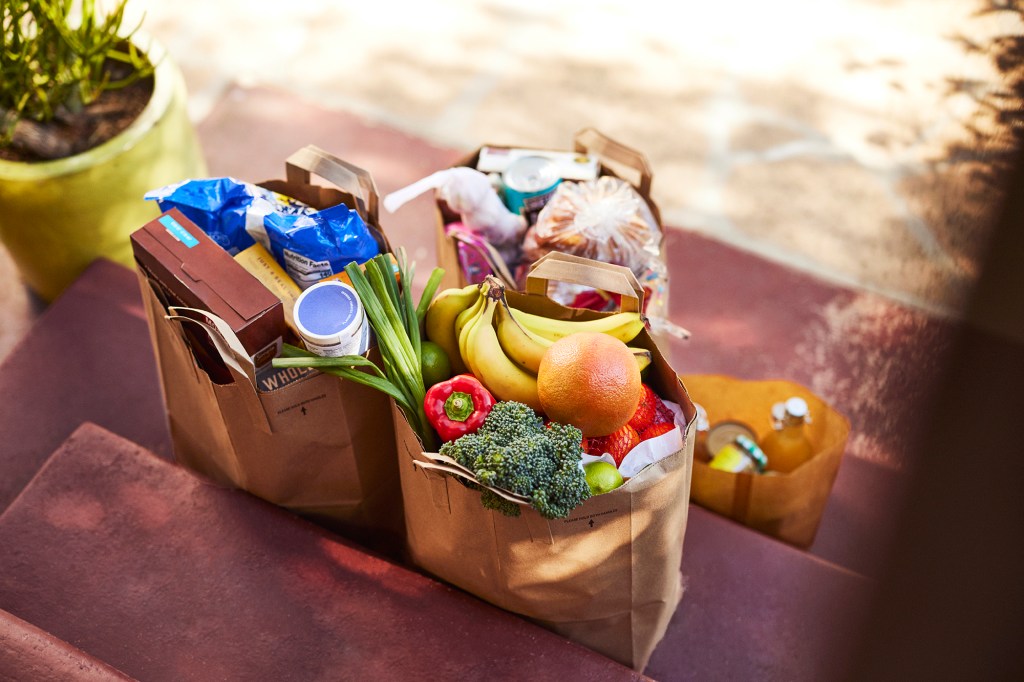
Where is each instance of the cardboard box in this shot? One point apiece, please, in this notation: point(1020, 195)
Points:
point(190, 270)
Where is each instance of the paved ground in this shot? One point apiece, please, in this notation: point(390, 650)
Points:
point(814, 134)
point(820, 135)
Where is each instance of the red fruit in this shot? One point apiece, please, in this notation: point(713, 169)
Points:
point(646, 410)
point(617, 444)
point(662, 415)
point(656, 430)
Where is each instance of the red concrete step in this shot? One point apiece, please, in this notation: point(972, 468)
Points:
point(143, 566)
point(28, 653)
point(758, 609)
point(86, 358)
point(740, 583)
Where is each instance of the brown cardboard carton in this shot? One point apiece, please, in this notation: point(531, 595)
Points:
point(190, 270)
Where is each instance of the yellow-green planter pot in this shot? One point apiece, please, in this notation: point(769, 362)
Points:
point(56, 217)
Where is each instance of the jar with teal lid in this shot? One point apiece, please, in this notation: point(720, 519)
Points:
point(734, 449)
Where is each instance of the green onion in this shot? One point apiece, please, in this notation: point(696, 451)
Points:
point(387, 297)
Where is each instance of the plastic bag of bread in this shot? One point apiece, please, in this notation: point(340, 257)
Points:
point(604, 219)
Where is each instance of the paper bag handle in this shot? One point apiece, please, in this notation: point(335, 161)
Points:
point(591, 141)
point(228, 345)
point(564, 267)
point(460, 472)
point(239, 369)
point(311, 160)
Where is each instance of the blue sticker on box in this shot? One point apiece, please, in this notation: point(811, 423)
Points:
point(178, 231)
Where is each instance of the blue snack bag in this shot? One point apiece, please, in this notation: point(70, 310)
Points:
point(217, 205)
point(312, 247)
point(229, 211)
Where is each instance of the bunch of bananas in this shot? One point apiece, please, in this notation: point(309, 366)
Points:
point(501, 345)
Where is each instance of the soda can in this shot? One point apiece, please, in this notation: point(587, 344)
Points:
point(529, 183)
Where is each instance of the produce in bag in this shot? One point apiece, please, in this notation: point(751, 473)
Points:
point(603, 219)
point(560, 374)
point(386, 295)
point(457, 406)
point(591, 554)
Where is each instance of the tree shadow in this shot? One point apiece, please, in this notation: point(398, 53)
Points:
point(996, 130)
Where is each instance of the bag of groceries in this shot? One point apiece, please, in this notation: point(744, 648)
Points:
point(297, 437)
point(502, 208)
point(554, 497)
point(786, 502)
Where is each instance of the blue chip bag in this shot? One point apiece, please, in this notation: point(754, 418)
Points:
point(229, 211)
point(312, 247)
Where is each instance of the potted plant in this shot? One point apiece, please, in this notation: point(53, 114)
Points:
point(91, 117)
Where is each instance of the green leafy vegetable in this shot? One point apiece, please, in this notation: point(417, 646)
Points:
point(515, 451)
point(386, 295)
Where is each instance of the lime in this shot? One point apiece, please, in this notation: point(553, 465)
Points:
point(602, 477)
point(435, 364)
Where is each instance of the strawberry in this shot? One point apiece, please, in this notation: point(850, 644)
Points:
point(656, 430)
point(617, 444)
point(646, 410)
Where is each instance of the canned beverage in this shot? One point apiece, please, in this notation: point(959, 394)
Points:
point(331, 320)
point(529, 183)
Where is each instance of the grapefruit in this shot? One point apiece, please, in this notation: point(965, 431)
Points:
point(590, 380)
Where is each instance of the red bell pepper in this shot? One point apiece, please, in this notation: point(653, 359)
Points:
point(457, 406)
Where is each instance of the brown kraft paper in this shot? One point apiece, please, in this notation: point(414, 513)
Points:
point(607, 577)
point(317, 445)
point(786, 506)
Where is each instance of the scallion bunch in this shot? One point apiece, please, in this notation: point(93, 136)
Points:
point(387, 297)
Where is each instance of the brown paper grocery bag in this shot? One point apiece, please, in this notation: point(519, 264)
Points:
point(615, 159)
point(786, 506)
point(608, 576)
point(317, 445)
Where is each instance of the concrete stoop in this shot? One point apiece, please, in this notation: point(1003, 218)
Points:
point(134, 563)
point(169, 577)
point(125, 562)
point(166, 577)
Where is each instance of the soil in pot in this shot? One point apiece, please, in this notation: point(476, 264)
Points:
point(72, 133)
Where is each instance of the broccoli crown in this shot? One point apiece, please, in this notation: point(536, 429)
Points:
point(509, 420)
point(514, 450)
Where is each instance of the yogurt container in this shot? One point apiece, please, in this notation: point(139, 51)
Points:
point(331, 320)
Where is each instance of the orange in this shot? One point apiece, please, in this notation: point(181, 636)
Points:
point(590, 380)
